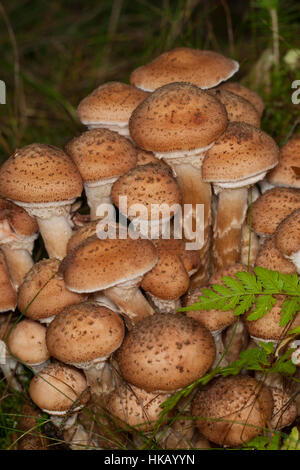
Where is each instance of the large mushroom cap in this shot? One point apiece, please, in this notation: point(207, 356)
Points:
point(17, 220)
point(232, 410)
point(150, 185)
point(112, 102)
point(273, 207)
point(268, 327)
point(43, 292)
point(99, 264)
point(270, 257)
point(134, 407)
point(178, 116)
point(242, 154)
point(205, 69)
point(57, 388)
point(250, 95)
point(27, 341)
point(8, 295)
point(101, 153)
point(166, 352)
point(287, 172)
point(287, 235)
point(238, 108)
point(40, 173)
point(84, 332)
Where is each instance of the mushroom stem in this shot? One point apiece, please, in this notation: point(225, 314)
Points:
point(196, 191)
point(98, 193)
point(100, 378)
point(164, 306)
point(56, 232)
point(19, 262)
point(217, 335)
point(130, 300)
point(231, 213)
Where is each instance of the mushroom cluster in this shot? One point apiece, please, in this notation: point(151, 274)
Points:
point(177, 176)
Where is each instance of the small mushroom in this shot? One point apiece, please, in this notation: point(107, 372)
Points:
point(287, 238)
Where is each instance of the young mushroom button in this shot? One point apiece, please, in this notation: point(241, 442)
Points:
point(45, 182)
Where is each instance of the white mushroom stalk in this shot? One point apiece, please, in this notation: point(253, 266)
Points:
point(18, 254)
point(164, 306)
point(119, 127)
point(9, 367)
point(97, 193)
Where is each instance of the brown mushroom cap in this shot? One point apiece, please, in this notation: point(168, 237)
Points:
point(84, 332)
point(232, 410)
point(242, 152)
point(43, 292)
point(214, 320)
point(27, 341)
point(144, 157)
point(17, 219)
point(112, 102)
point(272, 207)
point(81, 234)
point(101, 153)
point(287, 235)
point(271, 258)
point(178, 116)
point(8, 295)
point(231, 270)
point(285, 409)
point(287, 171)
point(58, 387)
point(204, 69)
point(250, 95)
point(238, 108)
point(147, 185)
point(268, 327)
point(99, 264)
point(166, 352)
point(40, 173)
point(135, 407)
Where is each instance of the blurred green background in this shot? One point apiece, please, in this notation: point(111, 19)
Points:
point(54, 53)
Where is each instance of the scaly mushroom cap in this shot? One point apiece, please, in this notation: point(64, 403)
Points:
point(250, 95)
point(144, 157)
point(268, 327)
point(214, 320)
point(232, 410)
point(285, 409)
point(238, 109)
point(16, 220)
point(178, 116)
point(166, 352)
point(27, 341)
point(204, 69)
point(271, 258)
point(57, 388)
point(147, 185)
point(101, 153)
point(39, 173)
point(112, 102)
point(273, 207)
point(8, 295)
point(216, 277)
point(87, 230)
point(43, 292)
point(190, 258)
point(242, 154)
point(99, 264)
point(84, 332)
point(287, 172)
point(287, 235)
point(135, 407)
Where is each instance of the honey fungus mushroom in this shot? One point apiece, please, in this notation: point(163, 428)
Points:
point(232, 410)
point(85, 335)
point(287, 238)
point(246, 93)
point(45, 182)
point(165, 353)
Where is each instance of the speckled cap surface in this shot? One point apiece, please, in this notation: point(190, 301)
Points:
point(58, 387)
point(287, 172)
point(17, 218)
point(231, 270)
point(270, 257)
point(287, 235)
point(84, 332)
point(112, 102)
point(81, 234)
point(241, 152)
point(101, 153)
point(203, 68)
point(244, 92)
point(178, 116)
point(166, 352)
point(39, 173)
point(99, 264)
point(235, 409)
point(238, 108)
point(43, 292)
point(273, 207)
